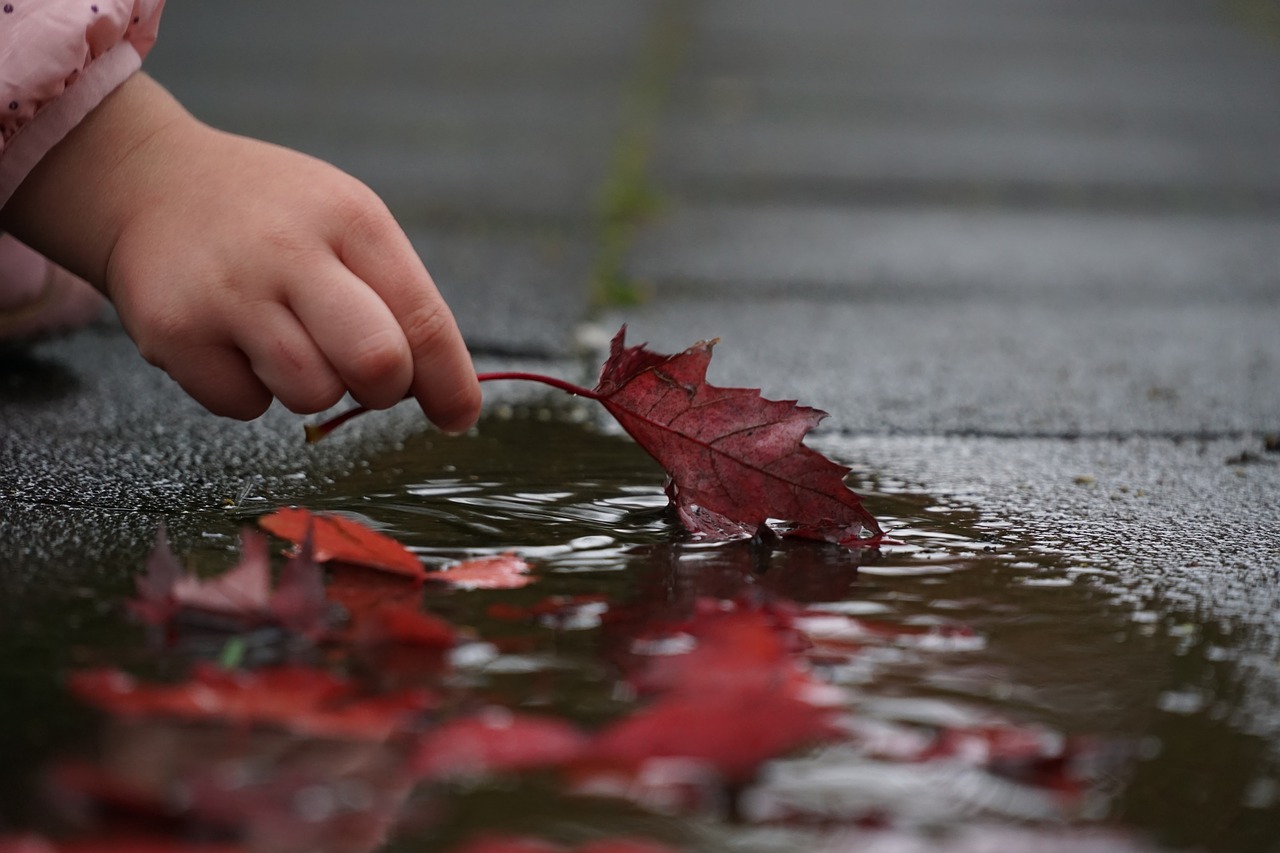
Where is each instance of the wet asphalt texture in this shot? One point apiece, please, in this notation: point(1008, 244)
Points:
point(1026, 254)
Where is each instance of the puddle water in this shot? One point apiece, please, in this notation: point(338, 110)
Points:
point(993, 696)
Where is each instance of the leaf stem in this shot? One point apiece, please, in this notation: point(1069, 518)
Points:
point(315, 432)
point(576, 390)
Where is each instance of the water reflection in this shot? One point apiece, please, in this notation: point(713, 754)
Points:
point(980, 686)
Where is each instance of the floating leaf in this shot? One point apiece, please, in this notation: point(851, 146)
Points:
point(336, 537)
point(735, 459)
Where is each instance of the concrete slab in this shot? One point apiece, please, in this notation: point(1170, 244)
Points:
point(841, 155)
point(514, 293)
point(498, 110)
point(851, 253)
point(1043, 95)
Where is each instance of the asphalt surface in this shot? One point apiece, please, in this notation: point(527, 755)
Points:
point(1027, 255)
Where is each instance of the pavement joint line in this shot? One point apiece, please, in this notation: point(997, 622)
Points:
point(627, 196)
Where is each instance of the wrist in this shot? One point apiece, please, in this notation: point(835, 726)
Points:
point(74, 204)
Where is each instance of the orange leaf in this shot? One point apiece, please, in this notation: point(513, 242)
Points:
point(345, 540)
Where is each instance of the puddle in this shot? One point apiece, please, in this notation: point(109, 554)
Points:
point(995, 695)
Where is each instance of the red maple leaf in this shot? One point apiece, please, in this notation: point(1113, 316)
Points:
point(734, 459)
point(336, 537)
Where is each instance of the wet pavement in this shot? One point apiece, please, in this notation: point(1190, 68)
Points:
point(1027, 255)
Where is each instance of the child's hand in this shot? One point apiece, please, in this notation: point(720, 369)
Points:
point(243, 269)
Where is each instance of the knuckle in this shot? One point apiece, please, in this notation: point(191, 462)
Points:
point(428, 329)
point(365, 219)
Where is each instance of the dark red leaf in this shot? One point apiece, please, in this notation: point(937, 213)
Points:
point(339, 538)
point(505, 571)
point(292, 698)
point(242, 593)
point(735, 459)
point(496, 740)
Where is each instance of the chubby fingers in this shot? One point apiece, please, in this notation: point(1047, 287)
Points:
point(443, 379)
point(356, 333)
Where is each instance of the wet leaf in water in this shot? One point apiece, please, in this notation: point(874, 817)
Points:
point(336, 537)
point(735, 459)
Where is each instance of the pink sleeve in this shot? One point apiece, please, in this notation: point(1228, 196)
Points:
point(58, 60)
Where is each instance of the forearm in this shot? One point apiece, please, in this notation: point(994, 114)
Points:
point(75, 202)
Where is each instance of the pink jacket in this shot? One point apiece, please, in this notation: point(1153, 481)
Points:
point(58, 60)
